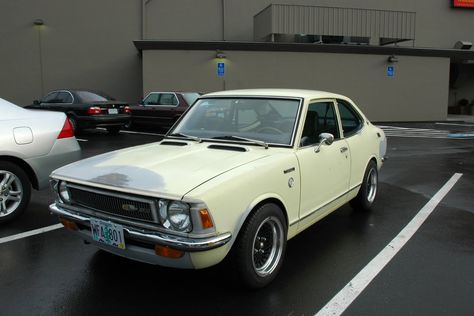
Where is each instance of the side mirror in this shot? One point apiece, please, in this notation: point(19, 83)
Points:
point(324, 139)
point(36, 102)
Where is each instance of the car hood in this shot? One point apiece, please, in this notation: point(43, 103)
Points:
point(157, 169)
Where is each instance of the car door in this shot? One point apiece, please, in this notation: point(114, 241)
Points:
point(167, 110)
point(324, 173)
point(353, 126)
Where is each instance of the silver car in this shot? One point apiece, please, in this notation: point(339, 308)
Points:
point(32, 144)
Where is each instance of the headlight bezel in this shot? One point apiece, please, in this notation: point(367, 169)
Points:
point(175, 215)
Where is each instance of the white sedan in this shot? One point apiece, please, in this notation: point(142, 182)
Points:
point(32, 144)
point(242, 171)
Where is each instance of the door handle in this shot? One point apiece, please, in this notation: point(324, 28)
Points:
point(343, 149)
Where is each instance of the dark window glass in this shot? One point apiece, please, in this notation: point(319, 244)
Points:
point(50, 97)
point(151, 99)
point(320, 118)
point(168, 99)
point(351, 121)
point(87, 97)
point(64, 97)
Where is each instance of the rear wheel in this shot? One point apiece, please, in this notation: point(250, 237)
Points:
point(261, 246)
point(15, 191)
point(368, 190)
point(113, 130)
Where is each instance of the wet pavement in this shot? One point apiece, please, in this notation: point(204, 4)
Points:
point(54, 273)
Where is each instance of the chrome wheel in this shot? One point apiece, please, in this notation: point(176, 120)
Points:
point(371, 184)
point(268, 246)
point(11, 193)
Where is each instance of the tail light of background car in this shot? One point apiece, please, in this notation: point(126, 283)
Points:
point(93, 110)
point(127, 109)
point(67, 130)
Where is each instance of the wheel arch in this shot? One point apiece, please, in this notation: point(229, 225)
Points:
point(25, 166)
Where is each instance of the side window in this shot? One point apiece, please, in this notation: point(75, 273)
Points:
point(320, 118)
point(168, 99)
point(64, 97)
point(350, 119)
point(50, 97)
point(151, 99)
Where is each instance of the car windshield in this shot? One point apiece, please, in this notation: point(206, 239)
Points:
point(87, 96)
point(257, 120)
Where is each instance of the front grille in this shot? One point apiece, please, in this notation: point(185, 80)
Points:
point(114, 204)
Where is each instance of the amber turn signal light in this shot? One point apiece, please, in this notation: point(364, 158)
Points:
point(206, 220)
point(68, 224)
point(168, 252)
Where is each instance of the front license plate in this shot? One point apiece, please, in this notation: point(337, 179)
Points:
point(113, 111)
point(107, 233)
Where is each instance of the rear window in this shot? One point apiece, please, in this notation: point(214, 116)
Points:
point(87, 96)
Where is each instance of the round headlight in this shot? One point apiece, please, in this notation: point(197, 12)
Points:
point(178, 214)
point(64, 192)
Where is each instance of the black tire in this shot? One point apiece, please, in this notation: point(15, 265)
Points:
point(15, 191)
point(114, 130)
point(368, 190)
point(260, 247)
point(75, 127)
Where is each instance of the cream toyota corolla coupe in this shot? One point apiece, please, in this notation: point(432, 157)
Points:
point(241, 172)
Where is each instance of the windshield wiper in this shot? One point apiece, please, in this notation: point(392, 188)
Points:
point(233, 137)
point(196, 139)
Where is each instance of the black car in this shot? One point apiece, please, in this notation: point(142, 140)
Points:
point(86, 109)
point(160, 110)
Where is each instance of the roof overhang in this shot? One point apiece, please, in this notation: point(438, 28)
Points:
point(456, 55)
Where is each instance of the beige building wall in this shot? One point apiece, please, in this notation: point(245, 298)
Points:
point(82, 44)
point(438, 25)
point(417, 92)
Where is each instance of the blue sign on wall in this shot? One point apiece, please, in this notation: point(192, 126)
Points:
point(390, 71)
point(220, 69)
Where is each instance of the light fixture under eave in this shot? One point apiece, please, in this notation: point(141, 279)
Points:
point(220, 55)
point(38, 22)
point(392, 59)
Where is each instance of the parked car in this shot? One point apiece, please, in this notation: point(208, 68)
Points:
point(32, 144)
point(242, 171)
point(160, 110)
point(86, 109)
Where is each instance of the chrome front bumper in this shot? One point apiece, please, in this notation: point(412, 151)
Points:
point(152, 237)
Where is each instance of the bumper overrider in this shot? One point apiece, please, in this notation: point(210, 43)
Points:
point(141, 243)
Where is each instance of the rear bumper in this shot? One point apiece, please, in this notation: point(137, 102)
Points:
point(102, 120)
point(63, 152)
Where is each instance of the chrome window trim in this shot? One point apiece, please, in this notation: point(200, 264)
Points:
point(358, 114)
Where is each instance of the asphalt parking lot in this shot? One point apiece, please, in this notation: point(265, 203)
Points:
point(54, 273)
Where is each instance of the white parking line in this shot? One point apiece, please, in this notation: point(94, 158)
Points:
point(30, 233)
point(455, 124)
point(339, 303)
point(82, 140)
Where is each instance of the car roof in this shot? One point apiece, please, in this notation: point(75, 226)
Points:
point(292, 93)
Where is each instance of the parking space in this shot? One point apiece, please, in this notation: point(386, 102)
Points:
point(55, 273)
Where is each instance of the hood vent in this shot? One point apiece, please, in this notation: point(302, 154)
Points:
point(170, 143)
point(225, 147)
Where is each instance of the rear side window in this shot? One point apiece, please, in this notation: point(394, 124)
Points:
point(350, 119)
point(168, 99)
point(64, 97)
point(50, 97)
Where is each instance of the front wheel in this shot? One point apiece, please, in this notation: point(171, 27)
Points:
point(261, 245)
point(368, 190)
point(15, 191)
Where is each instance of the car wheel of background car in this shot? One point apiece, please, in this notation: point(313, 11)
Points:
point(113, 129)
point(15, 191)
point(73, 122)
point(261, 246)
point(368, 190)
